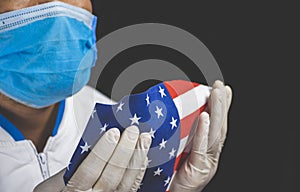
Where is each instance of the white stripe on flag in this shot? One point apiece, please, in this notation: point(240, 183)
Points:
point(192, 100)
point(182, 144)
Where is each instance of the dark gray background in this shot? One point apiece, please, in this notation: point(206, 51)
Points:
point(256, 47)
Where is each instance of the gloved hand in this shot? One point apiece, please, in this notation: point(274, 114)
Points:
point(202, 163)
point(114, 164)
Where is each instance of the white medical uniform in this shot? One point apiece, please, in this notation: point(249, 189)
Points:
point(22, 167)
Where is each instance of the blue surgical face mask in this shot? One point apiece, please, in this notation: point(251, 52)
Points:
point(46, 52)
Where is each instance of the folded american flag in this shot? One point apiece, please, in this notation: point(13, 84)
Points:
point(168, 111)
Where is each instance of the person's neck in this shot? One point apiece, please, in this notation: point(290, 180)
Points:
point(35, 124)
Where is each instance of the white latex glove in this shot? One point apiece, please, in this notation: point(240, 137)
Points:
point(202, 163)
point(114, 164)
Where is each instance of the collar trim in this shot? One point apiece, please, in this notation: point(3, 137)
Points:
point(16, 134)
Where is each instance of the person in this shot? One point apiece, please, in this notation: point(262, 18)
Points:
point(45, 105)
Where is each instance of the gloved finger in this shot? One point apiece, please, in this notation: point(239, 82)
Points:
point(198, 155)
point(115, 168)
point(53, 184)
point(228, 103)
point(137, 164)
point(228, 96)
point(200, 140)
point(217, 109)
point(195, 170)
point(225, 125)
point(139, 178)
point(216, 154)
point(91, 168)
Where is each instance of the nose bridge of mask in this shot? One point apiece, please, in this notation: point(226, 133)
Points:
point(41, 31)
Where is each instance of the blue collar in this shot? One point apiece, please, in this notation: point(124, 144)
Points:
point(16, 133)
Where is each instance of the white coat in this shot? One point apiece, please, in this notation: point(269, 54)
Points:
point(21, 167)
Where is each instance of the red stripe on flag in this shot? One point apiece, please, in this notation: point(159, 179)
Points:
point(187, 122)
point(177, 161)
point(179, 87)
point(180, 159)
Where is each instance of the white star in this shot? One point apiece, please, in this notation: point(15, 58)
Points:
point(148, 100)
point(167, 181)
point(85, 148)
point(135, 119)
point(68, 167)
point(120, 107)
point(140, 185)
point(152, 132)
point(173, 123)
point(159, 112)
point(158, 171)
point(162, 92)
point(162, 144)
point(149, 161)
point(103, 129)
point(93, 113)
point(172, 153)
